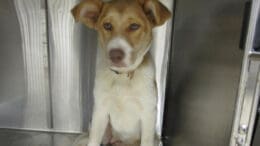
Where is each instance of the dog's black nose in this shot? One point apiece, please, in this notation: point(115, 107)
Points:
point(116, 55)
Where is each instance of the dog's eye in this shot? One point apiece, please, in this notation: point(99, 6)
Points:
point(108, 26)
point(134, 27)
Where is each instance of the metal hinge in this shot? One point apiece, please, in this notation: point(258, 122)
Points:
point(241, 137)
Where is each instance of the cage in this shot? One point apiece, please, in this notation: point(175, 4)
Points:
point(207, 86)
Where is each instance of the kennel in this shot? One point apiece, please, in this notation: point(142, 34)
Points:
point(47, 68)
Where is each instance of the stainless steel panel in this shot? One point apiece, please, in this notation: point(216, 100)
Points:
point(65, 62)
point(12, 76)
point(47, 67)
point(204, 73)
point(32, 21)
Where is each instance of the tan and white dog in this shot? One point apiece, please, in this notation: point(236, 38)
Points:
point(125, 91)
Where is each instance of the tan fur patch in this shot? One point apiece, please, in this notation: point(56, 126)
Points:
point(121, 15)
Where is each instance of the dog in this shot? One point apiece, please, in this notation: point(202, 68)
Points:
point(125, 95)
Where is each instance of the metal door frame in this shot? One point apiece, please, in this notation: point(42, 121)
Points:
point(248, 93)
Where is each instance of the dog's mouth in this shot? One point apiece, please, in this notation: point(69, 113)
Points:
point(126, 67)
point(118, 65)
point(120, 61)
point(121, 56)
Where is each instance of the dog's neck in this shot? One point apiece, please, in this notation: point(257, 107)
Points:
point(116, 72)
point(130, 74)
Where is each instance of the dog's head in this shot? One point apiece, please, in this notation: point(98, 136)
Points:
point(124, 28)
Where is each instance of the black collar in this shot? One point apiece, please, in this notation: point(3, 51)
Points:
point(116, 72)
point(129, 74)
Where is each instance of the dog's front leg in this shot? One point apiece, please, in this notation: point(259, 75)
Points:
point(148, 121)
point(99, 123)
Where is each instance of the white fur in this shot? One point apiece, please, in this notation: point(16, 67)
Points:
point(129, 104)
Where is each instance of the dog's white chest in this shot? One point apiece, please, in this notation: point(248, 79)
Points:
point(126, 101)
point(125, 120)
point(125, 107)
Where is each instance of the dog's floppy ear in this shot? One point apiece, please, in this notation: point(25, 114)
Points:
point(87, 12)
point(156, 12)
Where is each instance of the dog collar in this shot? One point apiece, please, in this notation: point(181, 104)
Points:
point(116, 72)
point(129, 74)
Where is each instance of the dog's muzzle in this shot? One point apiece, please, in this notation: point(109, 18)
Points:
point(117, 57)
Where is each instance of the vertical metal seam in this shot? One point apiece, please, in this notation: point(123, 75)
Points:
point(49, 62)
point(170, 56)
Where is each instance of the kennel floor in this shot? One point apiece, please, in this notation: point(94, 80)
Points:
point(32, 138)
point(10, 137)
